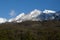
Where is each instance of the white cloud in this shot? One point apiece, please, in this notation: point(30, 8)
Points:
point(11, 20)
point(20, 16)
point(3, 20)
point(17, 18)
point(49, 11)
point(31, 16)
point(12, 13)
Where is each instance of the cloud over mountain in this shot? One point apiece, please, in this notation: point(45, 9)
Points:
point(3, 20)
point(31, 16)
point(35, 15)
point(12, 13)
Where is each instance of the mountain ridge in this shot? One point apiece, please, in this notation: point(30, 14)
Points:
point(35, 15)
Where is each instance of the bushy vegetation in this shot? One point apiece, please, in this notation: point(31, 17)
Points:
point(30, 30)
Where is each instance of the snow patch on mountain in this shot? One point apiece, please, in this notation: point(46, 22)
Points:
point(49, 11)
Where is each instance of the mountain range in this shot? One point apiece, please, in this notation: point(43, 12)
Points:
point(35, 15)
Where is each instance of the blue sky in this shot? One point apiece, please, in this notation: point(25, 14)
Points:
point(26, 6)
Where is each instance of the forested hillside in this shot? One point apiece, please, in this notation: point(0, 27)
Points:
point(30, 30)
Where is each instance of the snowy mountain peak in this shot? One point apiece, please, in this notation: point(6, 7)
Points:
point(35, 13)
point(49, 11)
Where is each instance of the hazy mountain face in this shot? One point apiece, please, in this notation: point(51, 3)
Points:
point(35, 15)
